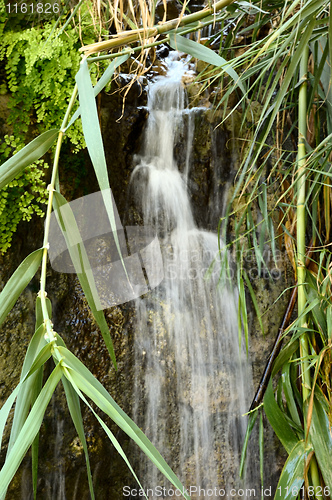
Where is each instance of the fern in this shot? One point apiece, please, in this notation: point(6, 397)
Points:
point(40, 64)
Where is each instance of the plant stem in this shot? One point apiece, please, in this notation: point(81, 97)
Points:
point(300, 213)
point(300, 235)
point(127, 39)
point(200, 25)
point(49, 326)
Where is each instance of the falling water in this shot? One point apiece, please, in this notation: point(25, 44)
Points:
point(192, 378)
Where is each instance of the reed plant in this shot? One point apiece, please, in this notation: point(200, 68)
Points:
point(286, 68)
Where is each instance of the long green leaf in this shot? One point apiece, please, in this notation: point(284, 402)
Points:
point(29, 154)
point(320, 435)
point(94, 142)
point(29, 430)
point(92, 388)
point(81, 263)
point(18, 281)
point(292, 475)
point(5, 409)
point(205, 54)
point(272, 110)
point(250, 426)
point(26, 391)
point(289, 396)
point(111, 436)
point(254, 301)
point(27, 394)
point(278, 421)
point(91, 128)
point(36, 388)
point(102, 82)
point(76, 416)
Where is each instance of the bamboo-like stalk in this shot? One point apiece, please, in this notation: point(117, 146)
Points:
point(301, 220)
point(50, 336)
point(126, 38)
point(300, 235)
point(200, 25)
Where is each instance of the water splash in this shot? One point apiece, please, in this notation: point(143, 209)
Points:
point(192, 378)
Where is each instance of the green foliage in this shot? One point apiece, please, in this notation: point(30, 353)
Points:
point(23, 196)
point(40, 71)
point(40, 64)
point(288, 71)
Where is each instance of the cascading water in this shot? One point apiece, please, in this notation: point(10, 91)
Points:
point(192, 379)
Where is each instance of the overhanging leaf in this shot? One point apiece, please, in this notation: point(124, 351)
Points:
point(113, 439)
point(76, 416)
point(205, 54)
point(29, 431)
point(81, 263)
point(102, 82)
point(94, 142)
point(292, 475)
point(278, 421)
point(29, 154)
point(18, 281)
point(320, 435)
point(250, 426)
point(92, 388)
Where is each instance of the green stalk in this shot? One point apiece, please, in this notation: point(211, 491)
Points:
point(300, 234)
point(131, 50)
point(301, 221)
point(136, 35)
point(42, 292)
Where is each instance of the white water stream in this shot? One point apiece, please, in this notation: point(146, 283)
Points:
point(192, 379)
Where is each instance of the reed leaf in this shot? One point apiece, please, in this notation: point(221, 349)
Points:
point(94, 142)
point(29, 154)
point(76, 416)
point(18, 281)
point(289, 397)
point(278, 420)
point(81, 263)
point(102, 82)
point(254, 301)
point(320, 436)
point(5, 409)
point(29, 430)
point(292, 475)
point(111, 436)
point(195, 49)
point(26, 396)
point(251, 423)
point(92, 388)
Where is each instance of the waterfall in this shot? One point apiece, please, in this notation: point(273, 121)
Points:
point(192, 379)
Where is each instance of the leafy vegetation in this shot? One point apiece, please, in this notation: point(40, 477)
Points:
point(39, 64)
point(285, 66)
point(23, 196)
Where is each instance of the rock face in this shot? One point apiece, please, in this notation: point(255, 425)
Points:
point(62, 466)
